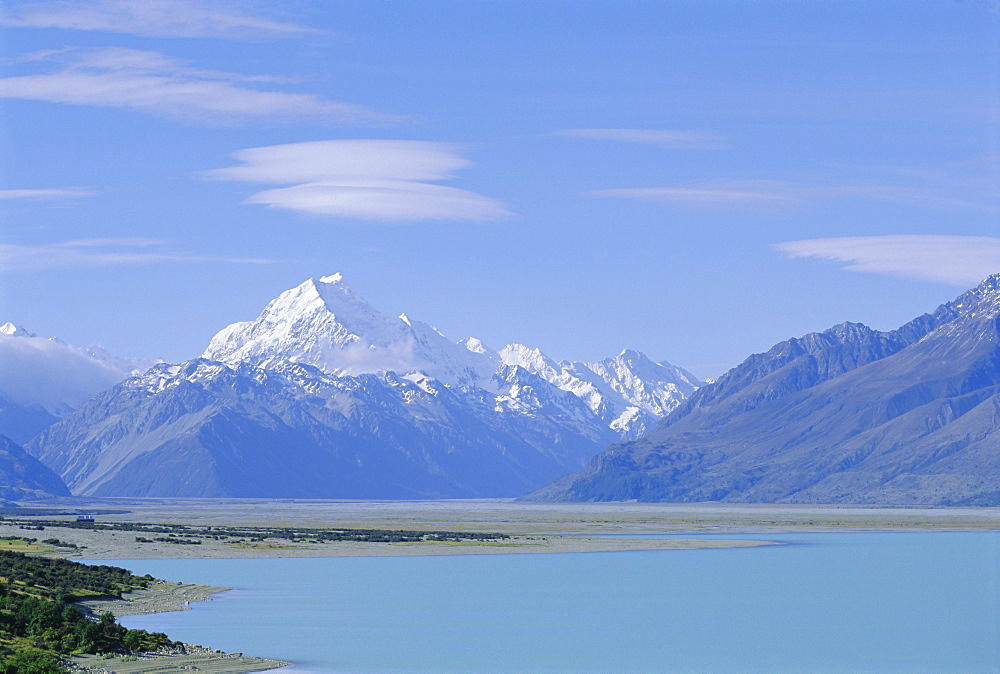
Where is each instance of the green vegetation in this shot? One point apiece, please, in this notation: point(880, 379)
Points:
point(39, 624)
point(187, 534)
point(21, 544)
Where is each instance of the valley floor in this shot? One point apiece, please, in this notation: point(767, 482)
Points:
point(532, 527)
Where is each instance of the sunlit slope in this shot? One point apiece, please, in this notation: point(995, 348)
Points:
point(850, 415)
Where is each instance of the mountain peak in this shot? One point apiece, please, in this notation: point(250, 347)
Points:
point(991, 282)
point(334, 292)
point(848, 329)
point(324, 323)
point(632, 356)
point(12, 330)
point(982, 301)
point(475, 345)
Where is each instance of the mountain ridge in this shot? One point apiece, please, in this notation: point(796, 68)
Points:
point(23, 477)
point(323, 396)
point(847, 415)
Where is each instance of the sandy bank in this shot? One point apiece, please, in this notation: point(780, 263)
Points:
point(160, 597)
point(97, 545)
point(190, 658)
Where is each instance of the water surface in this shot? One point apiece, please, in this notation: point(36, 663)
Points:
point(823, 602)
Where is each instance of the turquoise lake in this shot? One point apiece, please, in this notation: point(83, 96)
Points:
point(823, 602)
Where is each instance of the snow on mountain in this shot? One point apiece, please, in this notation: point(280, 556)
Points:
point(208, 429)
point(642, 390)
point(323, 396)
point(847, 415)
point(12, 330)
point(325, 323)
point(629, 392)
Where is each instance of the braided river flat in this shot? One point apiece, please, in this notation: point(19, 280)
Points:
point(847, 601)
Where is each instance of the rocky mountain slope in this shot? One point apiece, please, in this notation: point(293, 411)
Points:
point(23, 477)
point(849, 415)
point(323, 396)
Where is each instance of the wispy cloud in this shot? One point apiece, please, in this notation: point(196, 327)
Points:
point(958, 260)
point(969, 185)
point(718, 195)
point(153, 83)
point(679, 140)
point(46, 194)
point(726, 195)
point(159, 18)
point(387, 180)
point(92, 253)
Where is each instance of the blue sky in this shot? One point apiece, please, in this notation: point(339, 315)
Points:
point(697, 180)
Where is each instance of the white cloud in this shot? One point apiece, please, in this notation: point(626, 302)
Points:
point(388, 180)
point(156, 84)
point(344, 159)
point(744, 194)
point(55, 375)
point(680, 140)
point(161, 18)
point(91, 253)
point(711, 196)
point(46, 194)
point(958, 260)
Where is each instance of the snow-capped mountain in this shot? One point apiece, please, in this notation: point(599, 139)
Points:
point(325, 323)
point(847, 415)
point(322, 395)
point(44, 379)
point(628, 392)
point(207, 429)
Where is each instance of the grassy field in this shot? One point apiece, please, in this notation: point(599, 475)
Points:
point(25, 547)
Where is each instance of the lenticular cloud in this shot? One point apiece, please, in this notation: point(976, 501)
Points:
point(386, 180)
point(959, 260)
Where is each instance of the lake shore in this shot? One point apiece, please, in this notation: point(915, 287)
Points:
point(527, 528)
point(183, 659)
point(161, 597)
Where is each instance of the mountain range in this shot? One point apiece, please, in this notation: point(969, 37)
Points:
point(849, 415)
point(323, 396)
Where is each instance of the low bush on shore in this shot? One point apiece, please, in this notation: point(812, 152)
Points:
point(39, 624)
